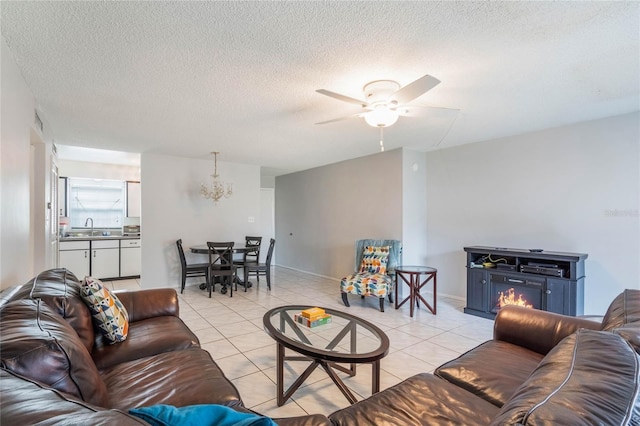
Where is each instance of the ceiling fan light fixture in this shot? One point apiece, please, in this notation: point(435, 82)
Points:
point(381, 117)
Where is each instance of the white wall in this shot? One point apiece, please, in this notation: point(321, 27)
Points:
point(322, 211)
point(555, 189)
point(172, 208)
point(86, 169)
point(16, 118)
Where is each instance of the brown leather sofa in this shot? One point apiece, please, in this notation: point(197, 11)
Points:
point(540, 368)
point(54, 368)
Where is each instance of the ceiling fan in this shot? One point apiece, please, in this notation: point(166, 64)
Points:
point(385, 101)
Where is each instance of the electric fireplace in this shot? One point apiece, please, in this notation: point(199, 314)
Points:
point(535, 279)
point(515, 291)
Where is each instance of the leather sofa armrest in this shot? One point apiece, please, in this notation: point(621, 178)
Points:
point(143, 304)
point(536, 330)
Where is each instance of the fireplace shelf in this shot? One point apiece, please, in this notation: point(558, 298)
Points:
point(550, 281)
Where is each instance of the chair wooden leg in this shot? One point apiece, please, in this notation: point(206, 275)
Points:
point(345, 300)
point(381, 299)
point(184, 281)
point(268, 279)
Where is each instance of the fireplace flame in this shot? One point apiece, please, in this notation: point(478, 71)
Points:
point(510, 299)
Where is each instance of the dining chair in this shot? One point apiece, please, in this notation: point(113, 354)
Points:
point(254, 243)
point(250, 255)
point(191, 270)
point(221, 265)
point(257, 269)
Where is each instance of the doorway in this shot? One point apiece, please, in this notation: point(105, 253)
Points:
point(267, 220)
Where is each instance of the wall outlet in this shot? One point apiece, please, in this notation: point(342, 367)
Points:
point(251, 219)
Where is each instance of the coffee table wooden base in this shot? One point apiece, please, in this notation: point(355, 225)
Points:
point(330, 355)
point(328, 367)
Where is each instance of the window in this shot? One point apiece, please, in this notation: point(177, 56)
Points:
point(100, 199)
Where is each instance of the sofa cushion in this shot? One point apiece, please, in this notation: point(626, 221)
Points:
point(630, 333)
point(146, 338)
point(591, 377)
point(625, 309)
point(109, 315)
point(25, 402)
point(39, 344)
point(493, 370)
point(60, 289)
point(423, 399)
point(176, 378)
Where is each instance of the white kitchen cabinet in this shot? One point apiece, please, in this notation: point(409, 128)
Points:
point(75, 256)
point(130, 258)
point(105, 259)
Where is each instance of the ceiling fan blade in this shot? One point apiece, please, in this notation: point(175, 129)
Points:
point(417, 88)
point(421, 110)
point(342, 97)
point(341, 118)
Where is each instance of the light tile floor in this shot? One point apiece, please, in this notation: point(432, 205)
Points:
point(231, 330)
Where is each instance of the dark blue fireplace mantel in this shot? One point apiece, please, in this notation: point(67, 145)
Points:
point(553, 281)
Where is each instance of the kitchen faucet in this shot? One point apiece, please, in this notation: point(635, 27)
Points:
point(86, 222)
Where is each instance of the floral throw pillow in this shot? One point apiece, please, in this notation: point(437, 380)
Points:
point(374, 260)
point(109, 315)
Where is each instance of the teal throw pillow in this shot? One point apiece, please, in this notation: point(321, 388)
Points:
point(199, 415)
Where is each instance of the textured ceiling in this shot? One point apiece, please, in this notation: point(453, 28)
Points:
point(187, 78)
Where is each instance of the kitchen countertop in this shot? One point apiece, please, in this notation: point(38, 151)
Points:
point(98, 238)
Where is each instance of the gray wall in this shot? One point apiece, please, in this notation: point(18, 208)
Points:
point(574, 188)
point(557, 189)
point(321, 212)
point(414, 208)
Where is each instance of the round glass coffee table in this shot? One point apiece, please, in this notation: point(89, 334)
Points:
point(347, 339)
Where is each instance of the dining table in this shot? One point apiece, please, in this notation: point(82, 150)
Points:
point(204, 249)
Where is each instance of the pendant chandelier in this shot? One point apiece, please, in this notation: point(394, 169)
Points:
point(218, 188)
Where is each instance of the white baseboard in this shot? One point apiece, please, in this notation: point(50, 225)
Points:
point(310, 273)
point(449, 296)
